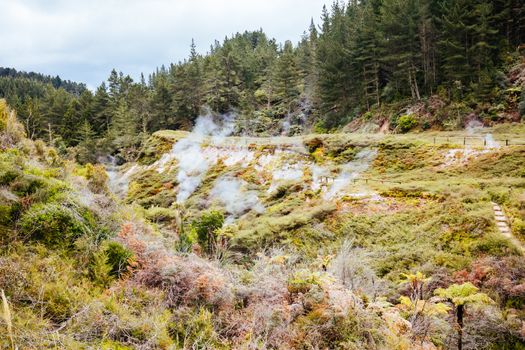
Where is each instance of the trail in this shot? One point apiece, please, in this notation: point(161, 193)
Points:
point(502, 223)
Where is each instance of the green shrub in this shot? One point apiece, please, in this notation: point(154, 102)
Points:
point(194, 329)
point(54, 224)
point(99, 269)
point(26, 184)
point(406, 122)
point(118, 258)
point(159, 214)
point(206, 229)
point(52, 190)
point(302, 281)
point(8, 175)
point(494, 245)
point(9, 212)
point(110, 261)
point(499, 195)
point(97, 177)
point(518, 227)
point(9, 126)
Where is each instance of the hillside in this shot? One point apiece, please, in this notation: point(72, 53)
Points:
point(363, 65)
point(351, 241)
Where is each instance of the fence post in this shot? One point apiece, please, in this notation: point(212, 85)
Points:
point(506, 142)
point(434, 140)
point(464, 141)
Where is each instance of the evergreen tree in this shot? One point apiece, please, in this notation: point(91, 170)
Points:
point(123, 132)
point(482, 48)
point(336, 71)
point(86, 143)
point(367, 55)
point(287, 77)
point(223, 82)
point(454, 41)
point(400, 21)
point(101, 110)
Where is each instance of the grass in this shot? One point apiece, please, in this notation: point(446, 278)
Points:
point(6, 314)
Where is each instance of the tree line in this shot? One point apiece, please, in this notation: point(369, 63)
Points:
point(360, 56)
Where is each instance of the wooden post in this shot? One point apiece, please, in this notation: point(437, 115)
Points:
point(464, 141)
point(506, 142)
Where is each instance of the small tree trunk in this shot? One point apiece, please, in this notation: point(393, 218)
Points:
point(459, 315)
point(377, 84)
point(50, 133)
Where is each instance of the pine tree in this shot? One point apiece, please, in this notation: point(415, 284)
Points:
point(400, 21)
point(195, 81)
point(187, 87)
point(101, 113)
point(86, 143)
point(123, 133)
point(287, 77)
point(223, 85)
point(336, 71)
point(161, 103)
point(367, 54)
point(307, 58)
point(454, 20)
point(482, 48)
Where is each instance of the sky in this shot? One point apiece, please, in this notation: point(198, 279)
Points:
point(82, 40)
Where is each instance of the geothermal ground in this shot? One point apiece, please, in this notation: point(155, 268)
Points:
point(267, 186)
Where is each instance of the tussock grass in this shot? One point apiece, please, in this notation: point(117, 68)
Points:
point(6, 314)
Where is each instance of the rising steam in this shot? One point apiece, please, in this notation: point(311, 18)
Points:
point(350, 172)
point(193, 162)
point(236, 199)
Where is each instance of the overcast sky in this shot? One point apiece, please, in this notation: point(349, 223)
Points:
point(83, 40)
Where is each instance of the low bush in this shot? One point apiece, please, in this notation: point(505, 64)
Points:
point(55, 224)
point(97, 177)
point(494, 245)
point(159, 214)
point(119, 258)
point(195, 329)
point(110, 261)
point(302, 281)
point(8, 175)
point(518, 227)
point(206, 229)
point(26, 184)
point(405, 123)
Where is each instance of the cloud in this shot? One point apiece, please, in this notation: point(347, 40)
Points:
point(84, 40)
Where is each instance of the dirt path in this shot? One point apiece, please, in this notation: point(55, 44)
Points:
point(502, 223)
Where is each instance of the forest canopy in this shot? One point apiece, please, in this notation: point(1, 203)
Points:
point(360, 59)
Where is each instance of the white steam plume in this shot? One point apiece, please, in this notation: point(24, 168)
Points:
point(237, 201)
point(350, 172)
point(193, 162)
point(490, 142)
point(473, 126)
